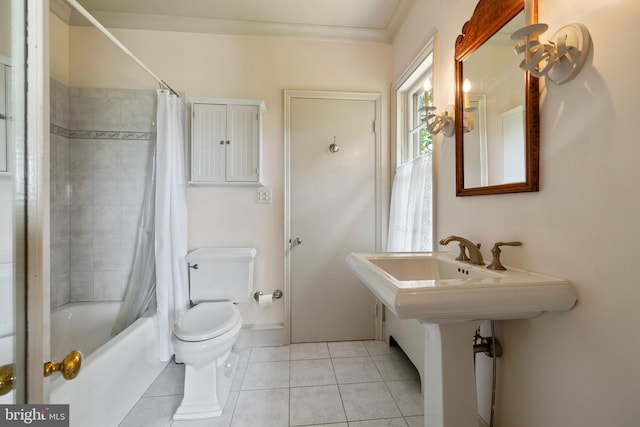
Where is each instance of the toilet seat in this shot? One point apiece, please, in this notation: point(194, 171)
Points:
point(206, 321)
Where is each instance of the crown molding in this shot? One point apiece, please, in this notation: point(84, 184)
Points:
point(232, 27)
point(236, 27)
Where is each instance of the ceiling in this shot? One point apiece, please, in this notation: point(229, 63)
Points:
point(353, 20)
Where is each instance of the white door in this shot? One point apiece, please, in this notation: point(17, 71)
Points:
point(242, 153)
point(209, 136)
point(13, 195)
point(11, 320)
point(332, 213)
point(225, 143)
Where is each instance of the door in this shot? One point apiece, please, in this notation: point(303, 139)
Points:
point(332, 213)
point(12, 206)
point(208, 136)
point(225, 143)
point(242, 152)
point(11, 339)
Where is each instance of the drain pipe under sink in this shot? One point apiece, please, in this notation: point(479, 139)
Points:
point(491, 347)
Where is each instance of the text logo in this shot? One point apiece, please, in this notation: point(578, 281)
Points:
point(34, 415)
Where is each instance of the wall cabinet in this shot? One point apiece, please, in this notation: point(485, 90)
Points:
point(226, 139)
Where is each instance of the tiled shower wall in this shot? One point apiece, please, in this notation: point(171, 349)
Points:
point(100, 147)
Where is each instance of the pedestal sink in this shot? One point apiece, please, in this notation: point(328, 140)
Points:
point(451, 298)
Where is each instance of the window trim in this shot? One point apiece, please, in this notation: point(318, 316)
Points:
point(409, 78)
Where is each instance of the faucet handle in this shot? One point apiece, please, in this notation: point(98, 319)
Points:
point(495, 263)
point(498, 244)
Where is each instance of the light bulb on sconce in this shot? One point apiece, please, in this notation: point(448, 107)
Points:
point(467, 124)
point(427, 92)
point(466, 88)
point(559, 60)
point(436, 123)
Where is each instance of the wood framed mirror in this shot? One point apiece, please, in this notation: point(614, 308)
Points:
point(500, 154)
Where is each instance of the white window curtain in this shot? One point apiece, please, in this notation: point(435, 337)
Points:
point(172, 289)
point(410, 217)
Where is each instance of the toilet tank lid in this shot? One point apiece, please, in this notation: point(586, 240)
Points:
point(209, 254)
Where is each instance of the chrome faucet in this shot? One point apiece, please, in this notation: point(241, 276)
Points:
point(475, 256)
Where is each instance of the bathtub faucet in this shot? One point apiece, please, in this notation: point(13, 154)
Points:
point(475, 256)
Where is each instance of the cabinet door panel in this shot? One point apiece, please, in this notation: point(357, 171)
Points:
point(208, 136)
point(242, 151)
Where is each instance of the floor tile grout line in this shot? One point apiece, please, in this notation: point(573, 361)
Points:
point(371, 353)
point(344, 409)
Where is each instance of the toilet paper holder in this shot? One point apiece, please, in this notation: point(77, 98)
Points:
point(277, 294)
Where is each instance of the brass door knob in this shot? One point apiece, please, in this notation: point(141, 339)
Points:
point(69, 367)
point(6, 379)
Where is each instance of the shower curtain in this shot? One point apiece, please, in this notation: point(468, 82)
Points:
point(172, 289)
point(140, 294)
point(159, 272)
point(410, 217)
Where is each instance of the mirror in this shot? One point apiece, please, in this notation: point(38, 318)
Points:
point(500, 154)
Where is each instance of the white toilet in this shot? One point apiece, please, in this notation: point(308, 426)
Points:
point(204, 335)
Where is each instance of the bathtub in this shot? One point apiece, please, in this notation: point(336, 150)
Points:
point(115, 371)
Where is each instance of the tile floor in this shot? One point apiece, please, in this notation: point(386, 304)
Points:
point(336, 384)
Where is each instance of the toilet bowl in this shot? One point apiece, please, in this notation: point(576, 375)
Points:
point(204, 335)
point(202, 339)
point(206, 332)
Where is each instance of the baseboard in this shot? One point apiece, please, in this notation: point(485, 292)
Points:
point(262, 335)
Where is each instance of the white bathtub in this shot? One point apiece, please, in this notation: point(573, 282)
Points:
point(115, 371)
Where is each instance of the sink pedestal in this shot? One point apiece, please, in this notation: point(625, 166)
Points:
point(449, 376)
point(447, 296)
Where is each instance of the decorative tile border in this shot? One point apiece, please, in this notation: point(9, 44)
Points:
point(98, 134)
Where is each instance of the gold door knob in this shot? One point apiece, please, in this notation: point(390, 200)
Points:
point(6, 379)
point(69, 367)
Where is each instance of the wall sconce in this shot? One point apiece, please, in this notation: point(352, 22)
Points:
point(436, 123)
point(559, 60)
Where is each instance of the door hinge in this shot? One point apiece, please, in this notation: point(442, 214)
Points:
point(374, 126)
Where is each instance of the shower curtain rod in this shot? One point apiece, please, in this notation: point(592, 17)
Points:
point(77, 6)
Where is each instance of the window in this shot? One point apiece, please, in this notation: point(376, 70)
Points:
point(412, 139)
point(417, 138)
point(411, 207)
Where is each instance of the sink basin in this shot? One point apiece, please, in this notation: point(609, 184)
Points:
point(434, 287)
point(451, 298)
point(412, 267)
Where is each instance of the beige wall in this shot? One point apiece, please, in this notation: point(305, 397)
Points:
point(58, 49)
point(578, 368)
point(205, 65)
point(5, 28)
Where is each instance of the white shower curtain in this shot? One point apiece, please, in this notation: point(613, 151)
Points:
point(172, 289)
point(140, 295)
point(410, 217)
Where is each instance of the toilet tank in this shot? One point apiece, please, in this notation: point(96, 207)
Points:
point(221, 274)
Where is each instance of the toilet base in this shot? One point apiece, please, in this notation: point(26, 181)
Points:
point(206, 388)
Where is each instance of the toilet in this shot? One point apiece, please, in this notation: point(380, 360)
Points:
point(204, 335)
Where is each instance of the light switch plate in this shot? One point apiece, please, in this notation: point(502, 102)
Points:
point(264, 195)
